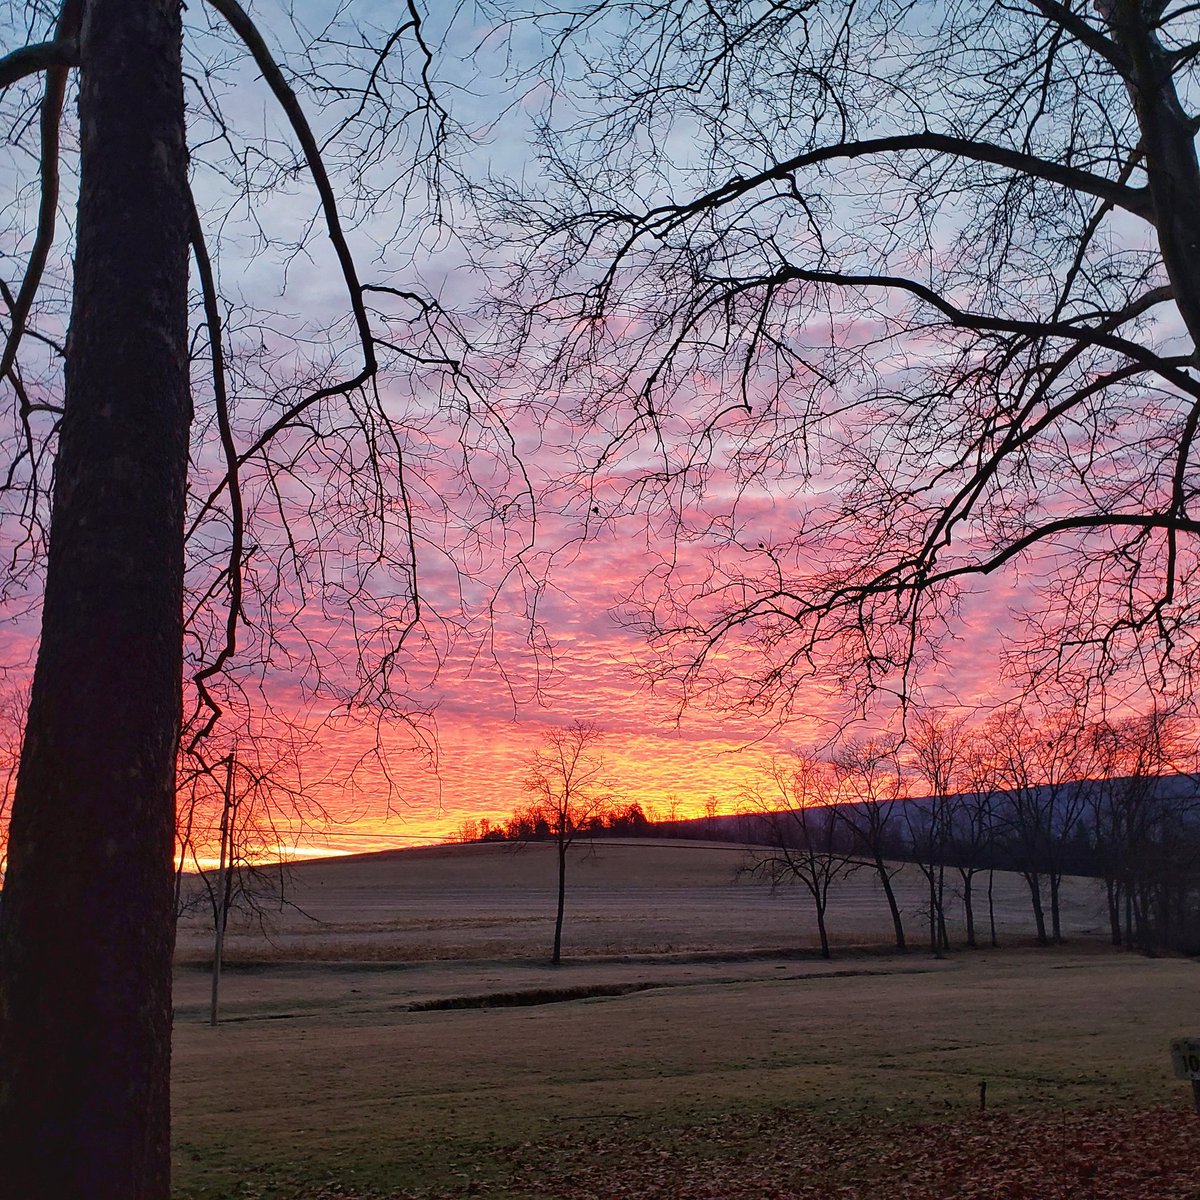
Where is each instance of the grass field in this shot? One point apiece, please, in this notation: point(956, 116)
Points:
point(702, 1032)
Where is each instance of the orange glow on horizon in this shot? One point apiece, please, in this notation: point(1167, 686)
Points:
point(480, 775)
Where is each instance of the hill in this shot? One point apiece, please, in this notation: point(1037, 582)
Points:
point(624, 897)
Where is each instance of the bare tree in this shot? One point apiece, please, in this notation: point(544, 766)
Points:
point(196, 523)
point(222, 894)
point(712, 807)
point(252, 803)
point(871, 787)
point(14, 702)
point(1038, 763)
point(567, 780)
point(86, 929)
point(1140, 813)
point(937, 743)
point(973, 830)
point(909, 292)
point(1119, 800)
point(808, 844)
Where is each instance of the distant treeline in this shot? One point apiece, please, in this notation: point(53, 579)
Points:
point(1138, 837)
point(532, 824)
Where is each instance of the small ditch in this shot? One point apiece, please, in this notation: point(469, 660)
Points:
point(532, 996)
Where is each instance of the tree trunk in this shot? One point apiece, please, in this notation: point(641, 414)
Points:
point(556, 957)
point(935, 945)
point(1168, 152)
point(1141, 903)
point(968, 879)
point(943, 932)
point(893, 907)
point(991, 895)
point(86, 928)
point(1112, 893)
point(820, 906)
point(1039, 915)
point(1055, 905)
point(221, 900)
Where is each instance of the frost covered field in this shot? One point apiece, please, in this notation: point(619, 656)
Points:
point(623, 897)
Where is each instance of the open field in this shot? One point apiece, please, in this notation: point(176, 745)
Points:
point(623, 897)
point(693, 1058)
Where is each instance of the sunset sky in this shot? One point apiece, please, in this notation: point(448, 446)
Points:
point(520, 644)
point(490, 716)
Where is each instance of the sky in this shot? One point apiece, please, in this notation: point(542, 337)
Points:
point(526, 625)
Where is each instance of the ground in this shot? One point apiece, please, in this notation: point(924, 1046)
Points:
point(415, 1042)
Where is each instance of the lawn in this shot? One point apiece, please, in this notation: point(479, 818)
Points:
point(757, 1070)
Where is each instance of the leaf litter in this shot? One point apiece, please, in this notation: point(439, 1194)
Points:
point(792, 1155)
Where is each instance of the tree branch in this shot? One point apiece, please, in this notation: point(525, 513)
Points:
point(50, 115)
point(1085, 34)
point(1131, 199)
point(1143, 522)
point(212, 318)
point(245, 28)
point(32, 60)
point(963, 319)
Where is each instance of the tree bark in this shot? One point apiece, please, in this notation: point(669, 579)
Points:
point(1168, 146)
point(86, 928)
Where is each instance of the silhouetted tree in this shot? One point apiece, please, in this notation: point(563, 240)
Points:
point(796, 803)
point(87, 924)
point(257, 799)
point(973, 830)
point(566, 778)
point(937, 743)
point(629, 820)
point(276, 480)
point(871, 787)
point(1141, 825)
point(14, 703)
point(1039, 765)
